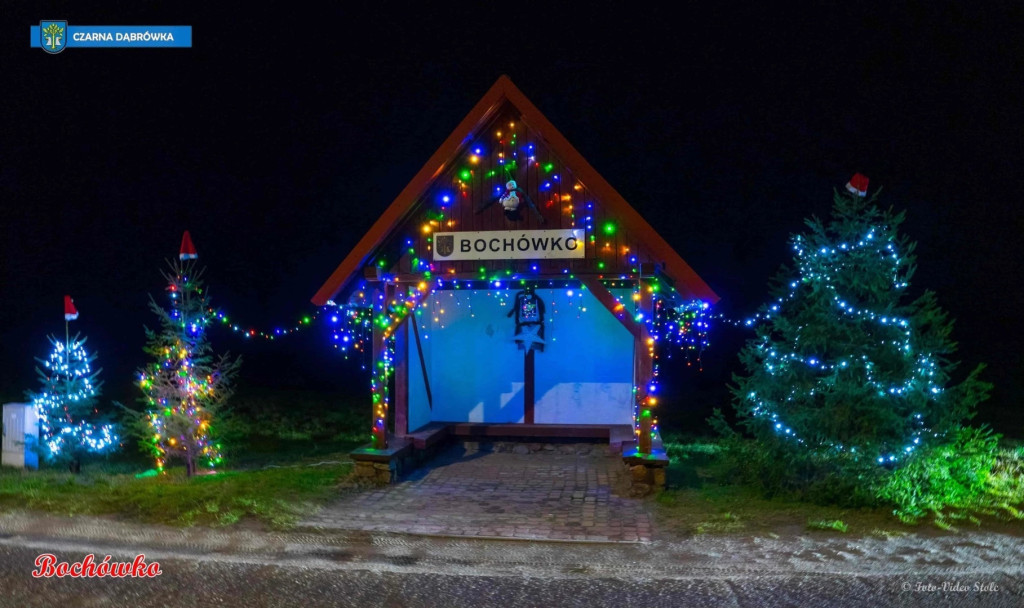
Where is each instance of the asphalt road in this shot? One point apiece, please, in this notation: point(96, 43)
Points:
point(246, 567)
point(186, 582)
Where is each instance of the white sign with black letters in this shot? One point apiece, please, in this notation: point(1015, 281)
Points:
point(509, 245)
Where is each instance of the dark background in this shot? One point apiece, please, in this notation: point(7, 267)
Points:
point(288, 128)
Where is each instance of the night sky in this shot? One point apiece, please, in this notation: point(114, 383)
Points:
point(283, 133)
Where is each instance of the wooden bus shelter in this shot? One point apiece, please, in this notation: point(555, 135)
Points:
point(512, 292)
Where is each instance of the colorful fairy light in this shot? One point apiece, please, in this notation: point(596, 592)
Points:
point(248, 331)
point(183, 385)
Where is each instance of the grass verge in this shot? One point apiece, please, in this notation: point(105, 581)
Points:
point(697, 501)
point(276, 497)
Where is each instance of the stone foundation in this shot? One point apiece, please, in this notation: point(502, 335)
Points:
point(381, 473)
point(646, 471)
point(387, 466)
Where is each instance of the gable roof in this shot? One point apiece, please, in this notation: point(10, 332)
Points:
point(501, 93)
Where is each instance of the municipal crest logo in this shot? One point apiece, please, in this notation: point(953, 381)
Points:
point(445, 244)
point(53, 36)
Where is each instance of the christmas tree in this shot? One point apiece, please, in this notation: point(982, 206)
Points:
point(184, 385)
point(68, 397)
point(844, 361)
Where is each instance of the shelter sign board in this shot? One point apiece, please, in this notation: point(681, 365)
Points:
point(509, 245)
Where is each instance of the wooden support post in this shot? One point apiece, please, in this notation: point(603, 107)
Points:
point(528, 386)
point(379, 430)
point(645, 368)
point(381, 335)
point(643, 422)
point(401, 403)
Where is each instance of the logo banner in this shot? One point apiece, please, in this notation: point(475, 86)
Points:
point(54, 36)
point(509, 245)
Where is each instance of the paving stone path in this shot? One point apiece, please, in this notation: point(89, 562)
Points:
point(463, 492)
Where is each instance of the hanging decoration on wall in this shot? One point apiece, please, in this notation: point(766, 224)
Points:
point(512, 200)
point(529, 315)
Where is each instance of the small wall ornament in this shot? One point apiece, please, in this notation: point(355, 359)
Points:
point(529, 315)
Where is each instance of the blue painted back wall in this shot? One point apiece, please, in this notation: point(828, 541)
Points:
point(584, 375)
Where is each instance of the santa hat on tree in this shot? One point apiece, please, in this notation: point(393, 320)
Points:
point(858, 185)
point(70, 312)
point(188, 250)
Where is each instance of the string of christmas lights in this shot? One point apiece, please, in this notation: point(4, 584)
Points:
point(183, 385)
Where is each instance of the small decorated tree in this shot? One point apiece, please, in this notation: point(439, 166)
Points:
point(184, 385)
point(68, 398)
point(844, 364)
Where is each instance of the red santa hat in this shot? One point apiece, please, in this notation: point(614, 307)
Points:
point(70, 312)
point(188, 250)
point(858, 185)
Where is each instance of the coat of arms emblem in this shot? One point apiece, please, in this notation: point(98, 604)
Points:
point(445, 244)
point(53, 36)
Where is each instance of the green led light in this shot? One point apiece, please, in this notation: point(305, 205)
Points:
point(609, 228)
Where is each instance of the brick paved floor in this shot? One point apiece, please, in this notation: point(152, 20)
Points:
point(542, 495)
